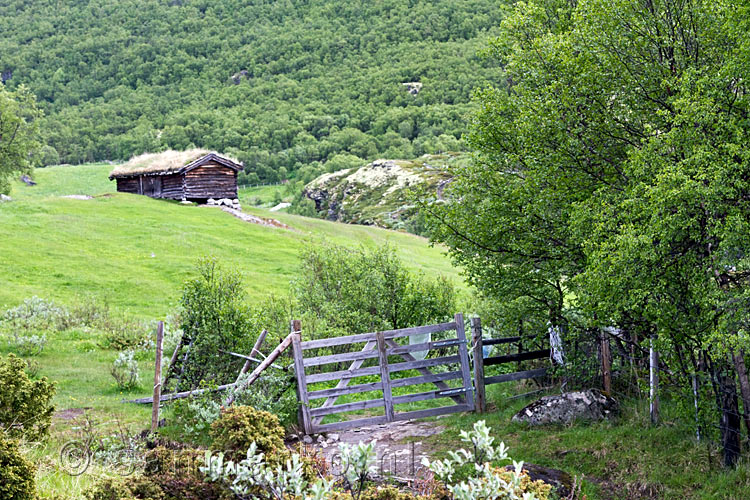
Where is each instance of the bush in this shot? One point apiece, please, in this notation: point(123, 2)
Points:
point(16, 473)
point(195, 415)
point(33, 314)
point(25, 405)
point(215, 319)
point(239, 426)
point(125, 371)
point(369, 290)
point(125, 489)
point(29, 345)
point(273, 392)
point(177, 472)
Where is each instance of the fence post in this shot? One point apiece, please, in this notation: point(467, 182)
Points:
point(653, 383)
point(606, 362)
point(463, 355)
point(303, 414)
point(480, 404)
point(385, 377)
point(157, 377)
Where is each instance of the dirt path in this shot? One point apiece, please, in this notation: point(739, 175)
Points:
point(399, 449)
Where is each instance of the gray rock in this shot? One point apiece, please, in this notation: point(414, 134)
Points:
point(333, 437)
point(307, 439)
point(211, 201)
point(565, 408)
point(4, 197)
point(560, 481)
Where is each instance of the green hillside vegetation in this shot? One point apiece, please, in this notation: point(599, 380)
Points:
point(381, 193)
point(135, 251)
point(283, 86)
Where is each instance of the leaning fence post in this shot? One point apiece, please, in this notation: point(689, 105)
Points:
point(303, 415)
point(157, 377)
point(480, 404)
point(463, 355)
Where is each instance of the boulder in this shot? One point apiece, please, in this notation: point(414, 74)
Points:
point(211, 201)
point(564, 408)
point(560, 481)
point(4, 197)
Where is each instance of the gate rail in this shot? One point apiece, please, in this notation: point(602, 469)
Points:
point(381, 346)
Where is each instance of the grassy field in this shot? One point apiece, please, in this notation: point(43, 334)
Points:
point(135, 252)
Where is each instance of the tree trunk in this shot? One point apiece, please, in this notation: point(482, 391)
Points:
point(739, 365)
point(730, 418)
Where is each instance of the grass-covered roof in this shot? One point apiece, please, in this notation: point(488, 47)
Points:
point(166, 162)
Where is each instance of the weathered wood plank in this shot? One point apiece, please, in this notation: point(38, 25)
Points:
point(480, 402)
point(348, 374)
point(388, 334)
point(464, 357)
point(509, 377)
point(299, 371)
point(344, 382)
point(424, 363)
point(340, 358)
point(522, 356)
point(343, 391)
point(426, 346)
point(157, 377)
point(426, 379)
point(349, 424)
point(385, 376)
point(355, 406)
point(424, 371)
point(432, 412)
point(504, 340)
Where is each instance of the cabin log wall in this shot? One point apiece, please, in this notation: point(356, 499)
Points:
point(128, 185)
point(172, 187)
point(210, 181)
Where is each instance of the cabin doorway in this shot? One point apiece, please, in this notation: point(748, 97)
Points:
point(152, 186)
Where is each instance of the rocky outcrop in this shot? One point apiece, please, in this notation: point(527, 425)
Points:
point(591, 405)
point(378, 193)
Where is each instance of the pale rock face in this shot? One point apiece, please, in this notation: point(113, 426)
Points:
point(565, 408)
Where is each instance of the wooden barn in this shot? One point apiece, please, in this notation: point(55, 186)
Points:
point(194, 175)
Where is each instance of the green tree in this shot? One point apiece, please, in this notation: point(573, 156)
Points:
point(18, 134)
point(611, 177)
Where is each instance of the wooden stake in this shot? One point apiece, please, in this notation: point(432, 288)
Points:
point(299, 371)
point(480, 404)
point(654, 383)
point(157, 377)
point(606, 363)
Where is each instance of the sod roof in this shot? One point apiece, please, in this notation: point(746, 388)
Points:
point(169, 161)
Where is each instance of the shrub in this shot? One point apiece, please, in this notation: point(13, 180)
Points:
point(195, 415)
point(29, 345)
point(126, 335)
point(239, 426)
point(25, 405)
point(368, 290)
point(16, 473)
point(125, 489)
point(33, 314)
point(177, 472)
point(125, 370)
point(273, 392)
point(214, 318)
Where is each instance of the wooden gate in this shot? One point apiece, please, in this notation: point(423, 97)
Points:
point(386, 358)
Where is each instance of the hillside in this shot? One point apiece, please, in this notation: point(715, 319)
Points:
point(380, 193)
point(135, 251)
point(284, 86)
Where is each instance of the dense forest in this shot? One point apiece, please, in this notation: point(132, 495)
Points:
point(286, 86)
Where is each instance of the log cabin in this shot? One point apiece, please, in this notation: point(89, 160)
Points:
point(194, 175)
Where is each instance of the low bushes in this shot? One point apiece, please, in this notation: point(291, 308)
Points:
point(25, 405)
point(239, 426)
point(16, 473)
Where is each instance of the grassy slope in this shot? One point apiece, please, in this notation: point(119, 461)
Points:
point(135, 251)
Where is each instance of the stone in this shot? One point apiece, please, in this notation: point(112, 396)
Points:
point(333, 437)
point(27, 180)
point(564, 408)
point(4, 197)
point(186, 202)
point(307, 439)
point(211, 201)
point(280, 206)
point(560, 481)
point(321, 438)
point(235, 201)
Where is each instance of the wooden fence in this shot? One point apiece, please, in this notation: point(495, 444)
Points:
point(381, 346)
point(480, 380)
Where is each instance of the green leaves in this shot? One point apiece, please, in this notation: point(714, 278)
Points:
point(18, 134)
